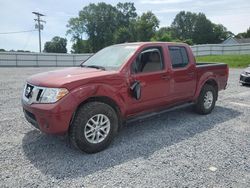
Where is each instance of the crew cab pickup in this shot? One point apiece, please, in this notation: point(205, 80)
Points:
point(120, 82)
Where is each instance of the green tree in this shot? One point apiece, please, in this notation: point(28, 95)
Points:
point(98, 22)
point(146, 26)
point(203, 30)
point(126, 20)
point(80, 46)
point(122, 35)
point(56, 45)
point(183, 25)
point(126, 13)
point(247, 33)
point(103, 25)
point(187, 41)
point(22, 51)
point(220, 33)
point(244, 34)
point(2, 50)
point(196, 28)
point(163, 34)
point(76, 28)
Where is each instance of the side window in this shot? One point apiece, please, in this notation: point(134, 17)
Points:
point(149, 60)
point(179, 56)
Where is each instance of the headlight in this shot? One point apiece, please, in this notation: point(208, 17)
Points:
point(52, 95)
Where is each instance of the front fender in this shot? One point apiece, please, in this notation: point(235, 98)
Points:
point(85, 92)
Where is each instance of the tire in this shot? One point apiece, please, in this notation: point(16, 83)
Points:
point(206, 100)
point(94, 127)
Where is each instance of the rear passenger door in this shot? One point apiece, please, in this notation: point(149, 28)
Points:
point(183, 83)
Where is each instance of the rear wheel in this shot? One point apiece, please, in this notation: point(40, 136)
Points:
point(206, 100)
point(93, 127)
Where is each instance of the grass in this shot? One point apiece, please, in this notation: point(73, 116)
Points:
point(235, 61)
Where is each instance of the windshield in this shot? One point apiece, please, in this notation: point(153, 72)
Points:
point(112, 57)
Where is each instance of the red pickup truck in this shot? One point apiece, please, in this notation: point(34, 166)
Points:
point(118, 83)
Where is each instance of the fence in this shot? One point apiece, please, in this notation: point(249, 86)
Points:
point(16, 59)
point(220, 49)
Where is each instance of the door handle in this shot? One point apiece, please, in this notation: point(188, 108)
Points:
point(165, 77)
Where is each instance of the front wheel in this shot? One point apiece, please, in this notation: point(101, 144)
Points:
point(206, 100)
point(93, 127)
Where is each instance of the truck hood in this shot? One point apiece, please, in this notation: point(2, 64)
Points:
point(64, 77)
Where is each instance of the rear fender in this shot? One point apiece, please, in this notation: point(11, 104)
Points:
point(203, 79)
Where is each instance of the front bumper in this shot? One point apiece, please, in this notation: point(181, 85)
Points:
point(245, 79)
point(51, 118)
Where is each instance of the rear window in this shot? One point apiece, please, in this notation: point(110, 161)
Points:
point(178, 55)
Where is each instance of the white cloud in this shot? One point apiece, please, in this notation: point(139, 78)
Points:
point(234, 23)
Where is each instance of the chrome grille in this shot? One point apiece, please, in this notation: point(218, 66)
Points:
point(32, 93)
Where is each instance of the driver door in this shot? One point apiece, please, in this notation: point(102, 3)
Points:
point(149, 70)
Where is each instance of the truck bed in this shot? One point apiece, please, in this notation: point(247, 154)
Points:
point(218, 70)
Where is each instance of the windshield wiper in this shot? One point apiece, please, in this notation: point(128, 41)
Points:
point(94, 66)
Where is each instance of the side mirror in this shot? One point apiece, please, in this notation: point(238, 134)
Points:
point(136, 90)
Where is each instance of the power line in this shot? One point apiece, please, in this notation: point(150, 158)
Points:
point(16, 32)
point(27, 40)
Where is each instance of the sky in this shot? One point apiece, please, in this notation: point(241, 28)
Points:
point(16, 15)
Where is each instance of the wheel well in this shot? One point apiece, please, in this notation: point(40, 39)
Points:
point(213, 83)
point(105, 100)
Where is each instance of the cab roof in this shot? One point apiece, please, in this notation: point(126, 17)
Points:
point(146, 43)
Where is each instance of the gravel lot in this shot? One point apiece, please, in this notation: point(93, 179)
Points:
point(174, 149)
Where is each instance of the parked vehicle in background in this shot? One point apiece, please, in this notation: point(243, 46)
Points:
point(119, 83)
point(245, 77)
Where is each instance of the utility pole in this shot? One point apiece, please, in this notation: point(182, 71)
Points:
point(39, 26)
